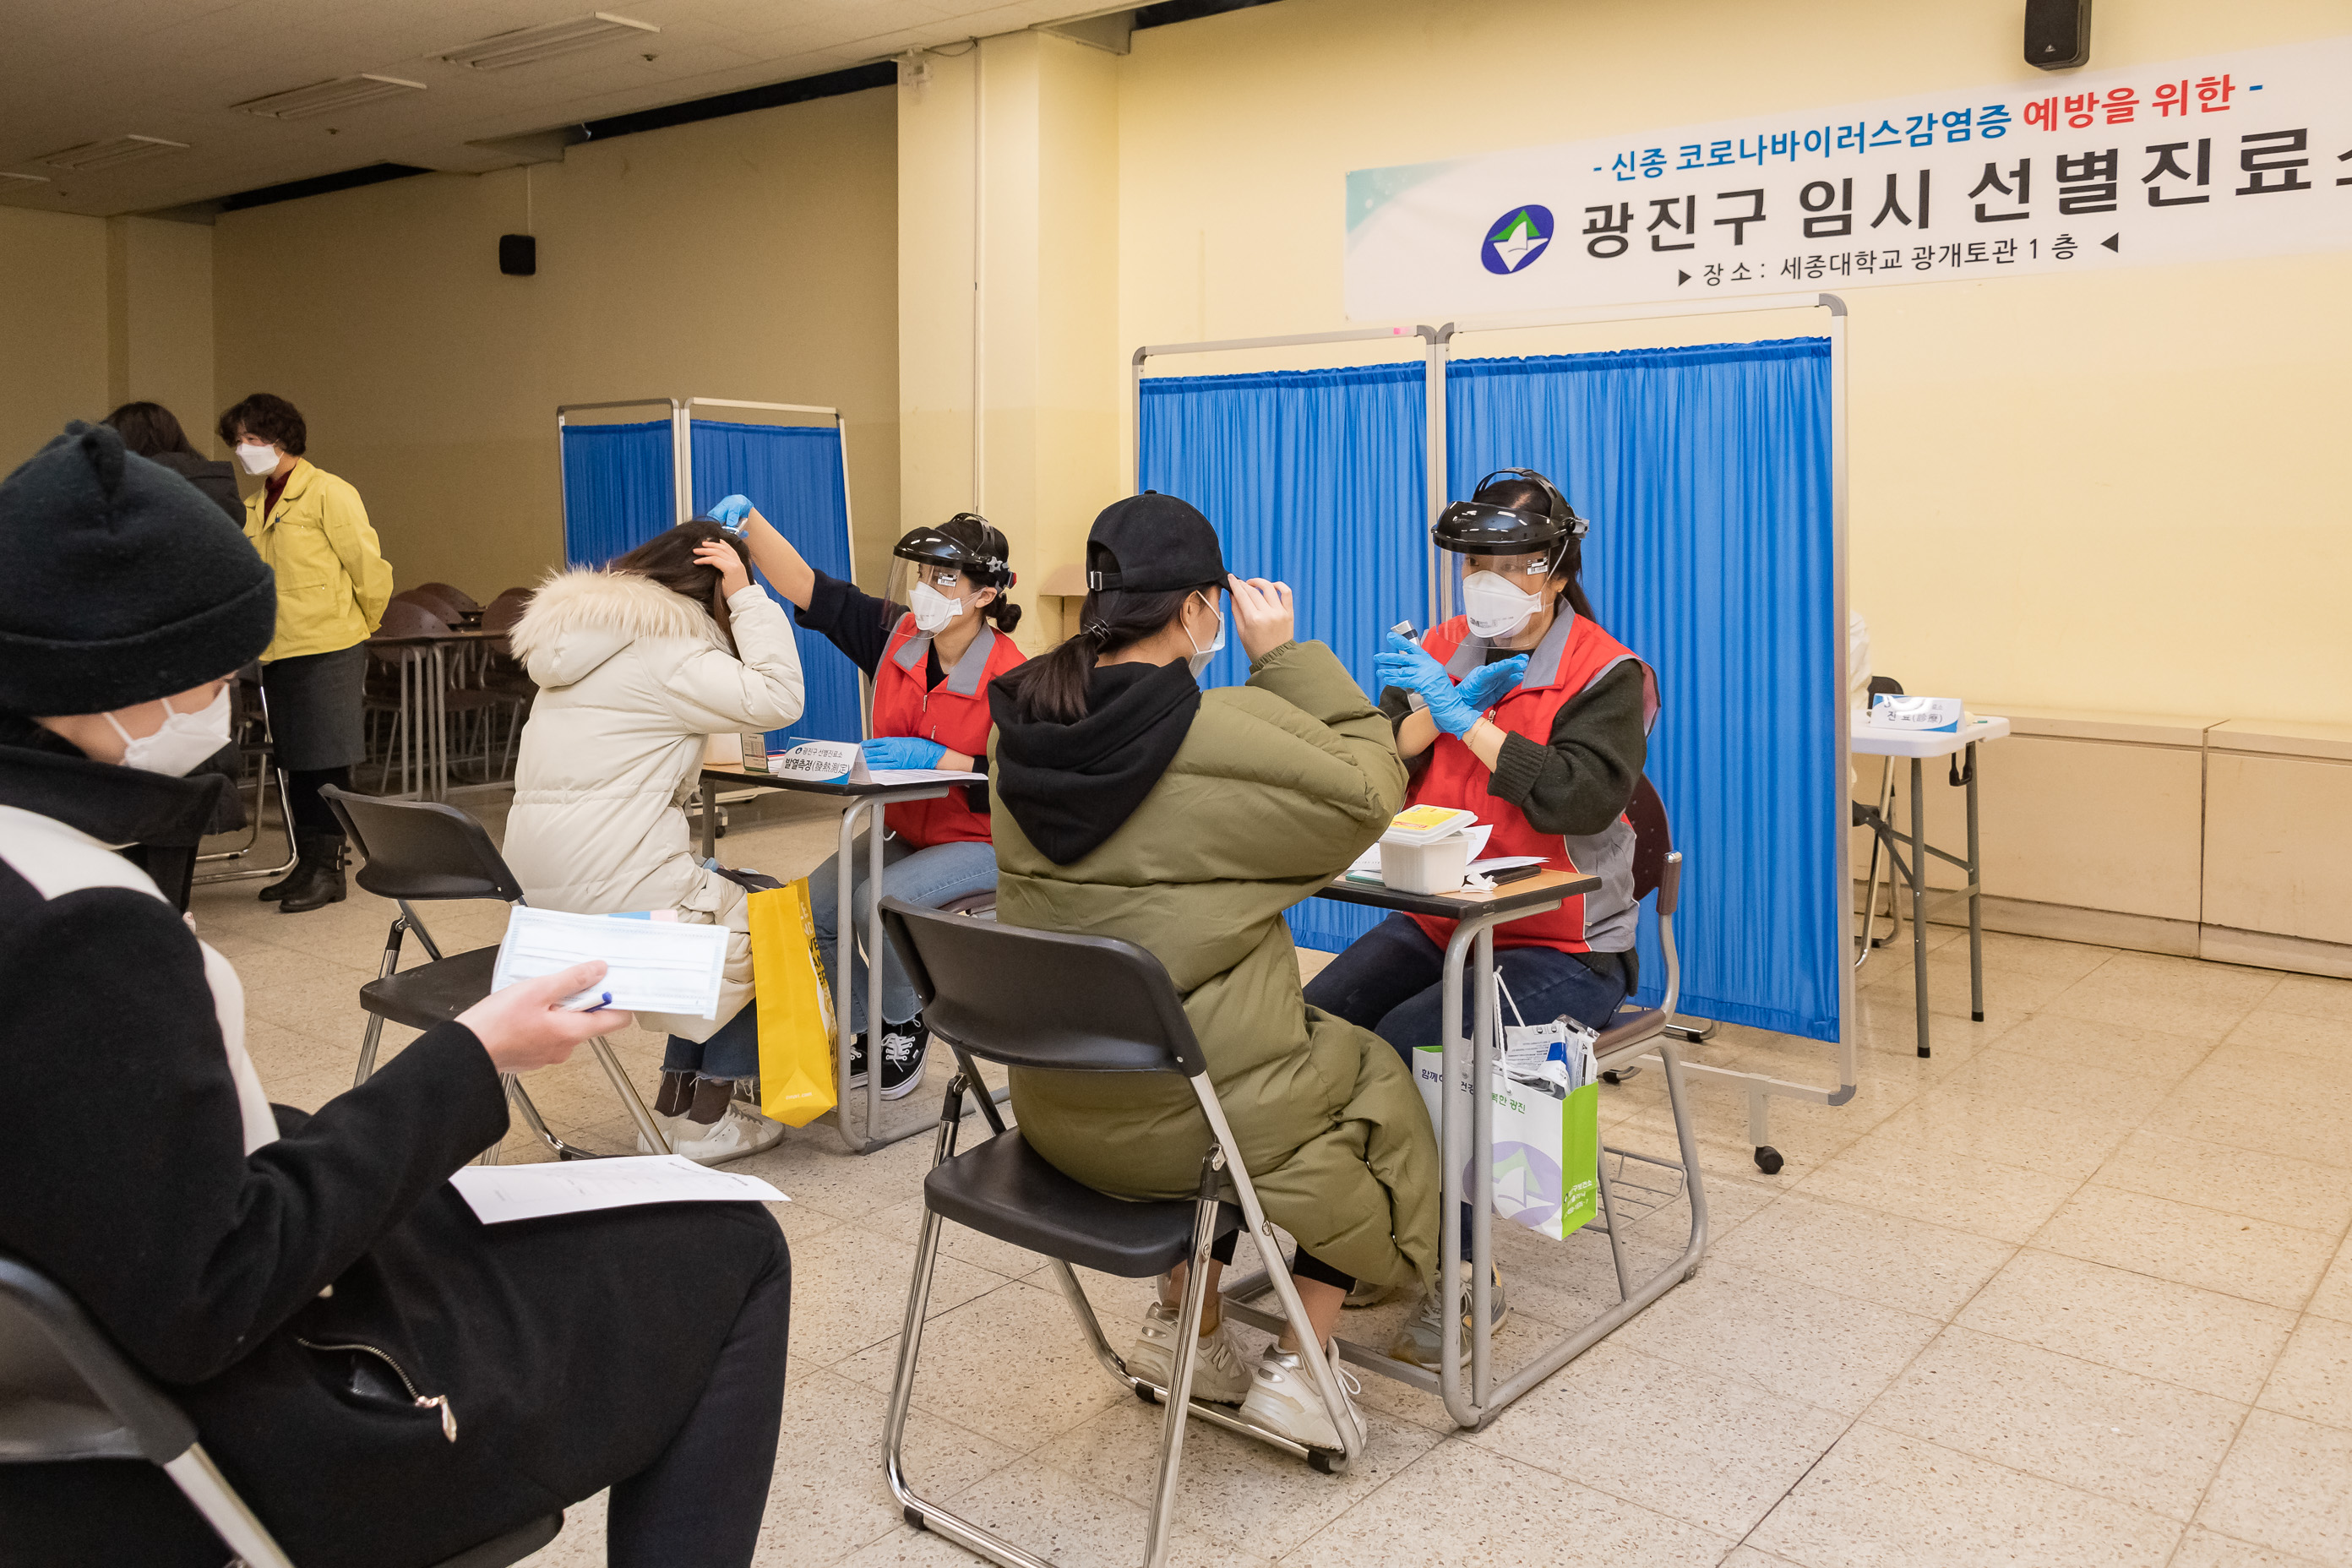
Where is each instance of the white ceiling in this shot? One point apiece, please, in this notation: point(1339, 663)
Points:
point(74, 71)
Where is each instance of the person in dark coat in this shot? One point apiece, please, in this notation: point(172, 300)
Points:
point(385, 1380)
point(151, 431)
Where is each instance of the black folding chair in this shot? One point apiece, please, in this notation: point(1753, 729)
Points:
point(417, 850)
point(1076, 1004)
point(257, 749)
point(67, 1393)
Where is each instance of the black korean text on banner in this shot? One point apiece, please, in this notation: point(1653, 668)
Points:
point(2244, 154)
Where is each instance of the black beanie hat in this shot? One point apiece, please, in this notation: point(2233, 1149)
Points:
point(119, 582)
point(1153, 543)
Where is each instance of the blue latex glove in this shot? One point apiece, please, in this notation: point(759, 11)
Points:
point(903, 752)
point(732, 513)
point(1406, 665)
point(1490, 683)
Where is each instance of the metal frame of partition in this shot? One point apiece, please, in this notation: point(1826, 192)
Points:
point(1437, 348)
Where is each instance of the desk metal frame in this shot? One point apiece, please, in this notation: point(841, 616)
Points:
point(1474, 1396)
point(1918, 749)
point(866, 801)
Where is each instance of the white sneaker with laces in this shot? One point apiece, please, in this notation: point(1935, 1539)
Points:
point(1284, 1400)
point(1218, 1375)
point(742, 1131)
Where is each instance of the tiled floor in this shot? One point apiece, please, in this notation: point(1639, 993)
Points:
point(2076, 1291)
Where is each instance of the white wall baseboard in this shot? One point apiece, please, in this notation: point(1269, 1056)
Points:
point(2146, 933)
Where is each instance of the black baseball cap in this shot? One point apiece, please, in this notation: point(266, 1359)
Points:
point(1152, 543)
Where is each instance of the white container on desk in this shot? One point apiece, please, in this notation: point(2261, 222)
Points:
point(1437, 866)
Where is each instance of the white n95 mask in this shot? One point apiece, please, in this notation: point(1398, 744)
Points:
point(1493, 607)
point(255, 458)
point(184, 741)
point(1201, 656)
point(932, 608)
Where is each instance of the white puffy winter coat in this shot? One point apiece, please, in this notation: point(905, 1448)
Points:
point(631, 677)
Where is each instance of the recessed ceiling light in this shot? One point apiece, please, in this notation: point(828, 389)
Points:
point(321, 98)
point(27, 179)
point(529, 46)
point(107, 154)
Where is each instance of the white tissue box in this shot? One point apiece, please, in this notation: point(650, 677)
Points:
point(1437, 866)
point(1915, 712)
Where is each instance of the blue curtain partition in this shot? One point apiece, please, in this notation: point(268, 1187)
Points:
point(793, 474)
point(1706, 474)
point(1314, 479)
point(617, 489)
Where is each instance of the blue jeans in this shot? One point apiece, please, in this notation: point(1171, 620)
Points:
point(925, 877)
point(1390, 981)
point(733, 1052)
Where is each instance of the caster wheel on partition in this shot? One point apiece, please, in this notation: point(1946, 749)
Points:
point(1768, 1161)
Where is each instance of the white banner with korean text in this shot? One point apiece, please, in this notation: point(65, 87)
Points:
point(2231, 155)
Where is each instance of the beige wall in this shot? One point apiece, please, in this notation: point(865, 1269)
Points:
point(53, 326)
point(160, 318)
point(2121, 491)
point(753, 256)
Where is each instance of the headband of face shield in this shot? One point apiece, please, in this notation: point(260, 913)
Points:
point(936, 572)
point(1499, 603)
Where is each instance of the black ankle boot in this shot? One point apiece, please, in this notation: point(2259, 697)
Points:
point(317, 881)
point(273, 891)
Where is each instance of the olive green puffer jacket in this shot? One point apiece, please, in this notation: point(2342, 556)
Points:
point(1278, 786)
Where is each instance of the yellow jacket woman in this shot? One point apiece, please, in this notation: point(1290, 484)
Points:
point(332, 580)
point(333, 586)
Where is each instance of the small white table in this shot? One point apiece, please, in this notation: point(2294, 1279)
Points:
point(1868, 740)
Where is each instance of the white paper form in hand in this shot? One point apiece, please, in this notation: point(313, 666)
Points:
point(654, 966)
point(500, 1192)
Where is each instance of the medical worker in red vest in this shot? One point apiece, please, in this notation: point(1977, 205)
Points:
point(1524, 711)
point(939, 634)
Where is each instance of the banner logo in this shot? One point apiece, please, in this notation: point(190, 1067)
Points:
point(1515, 239)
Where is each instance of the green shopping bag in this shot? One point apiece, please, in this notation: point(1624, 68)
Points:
point(1547, 1123)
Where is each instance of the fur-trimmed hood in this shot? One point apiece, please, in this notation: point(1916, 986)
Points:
point(582, 617)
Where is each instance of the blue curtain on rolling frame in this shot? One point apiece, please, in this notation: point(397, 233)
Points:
point(1706, 474)
point(1315, 478)
point(617, 489)
point(793, 474)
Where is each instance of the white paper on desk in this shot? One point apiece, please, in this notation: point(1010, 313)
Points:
point(1369, 860)
point(654, 966)
point(498, 1194)
point(897, 777)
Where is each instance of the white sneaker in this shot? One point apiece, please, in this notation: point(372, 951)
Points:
point(1284, 1400)
point(1419, 1339)
point(1218, 1375)
point(742, 1131)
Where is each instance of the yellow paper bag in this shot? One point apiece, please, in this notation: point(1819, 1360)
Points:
point(796, 1028)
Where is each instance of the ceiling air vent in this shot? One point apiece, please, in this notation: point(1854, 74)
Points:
point(325, 97)
point(529, 46)
point(106, 154)
point(21, 179)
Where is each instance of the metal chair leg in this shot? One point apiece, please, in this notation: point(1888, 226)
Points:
point(647, 1129)
point(200, 1482)
point(521, 1098)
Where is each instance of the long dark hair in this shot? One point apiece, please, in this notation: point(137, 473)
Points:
point(1054, 685)
point(984, 539)
point(1568, 567)
point(668, 560)
point(149, 429)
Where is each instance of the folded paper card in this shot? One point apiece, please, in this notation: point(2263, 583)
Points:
point(844, 762)
point(498, 1194)
point(654, 966)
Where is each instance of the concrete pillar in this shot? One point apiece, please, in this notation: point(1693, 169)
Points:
point(158, 320)
point(1010, 374)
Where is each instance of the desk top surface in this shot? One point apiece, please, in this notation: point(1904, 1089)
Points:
point(1883, 740)
point(739, 778)
point(1524, 896)
point(459, 634)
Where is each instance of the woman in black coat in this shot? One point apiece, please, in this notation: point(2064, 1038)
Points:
point(385, 1380)
point(154, 433)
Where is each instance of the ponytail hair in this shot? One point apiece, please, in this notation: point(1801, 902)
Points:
point(1053, 686)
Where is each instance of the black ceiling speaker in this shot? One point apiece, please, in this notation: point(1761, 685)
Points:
point(2057, 33)
point(517, 255)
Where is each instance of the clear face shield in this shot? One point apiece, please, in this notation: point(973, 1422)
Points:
point(1501, 593)
point(934, 592)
